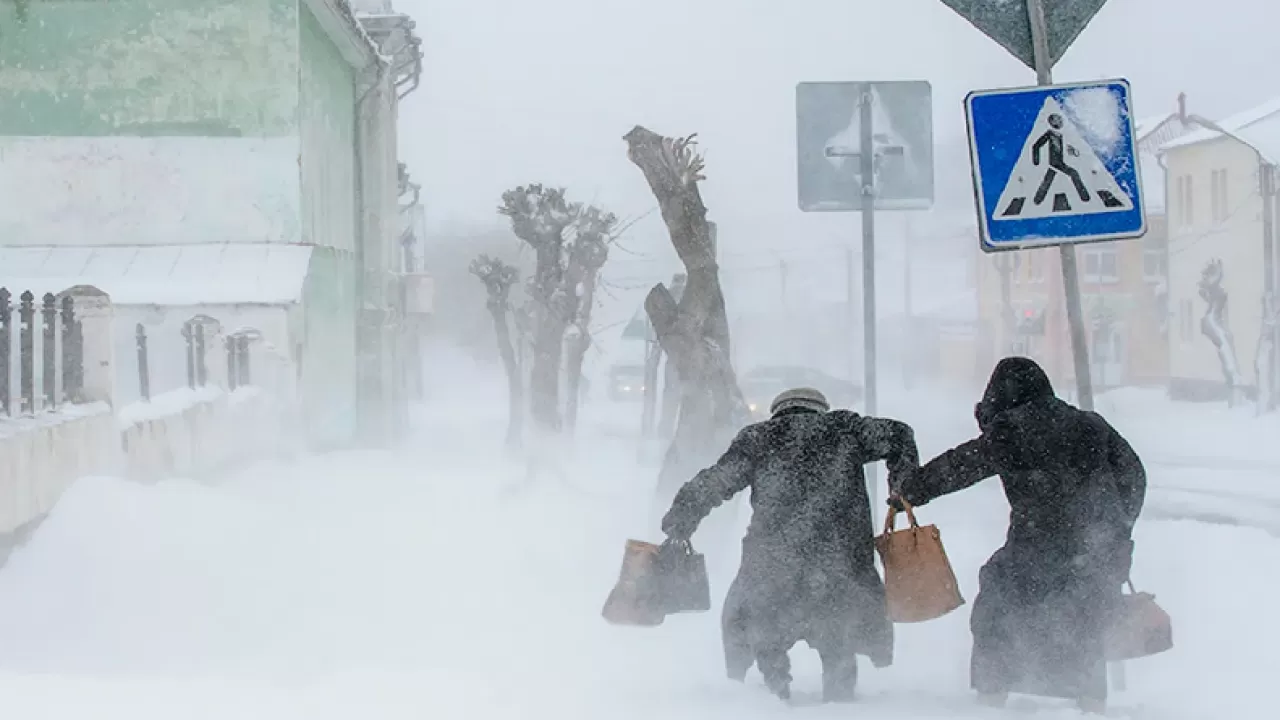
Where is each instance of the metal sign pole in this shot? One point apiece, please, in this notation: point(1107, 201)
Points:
point(867, 157)
point(1070, 273)
point(1067, 252)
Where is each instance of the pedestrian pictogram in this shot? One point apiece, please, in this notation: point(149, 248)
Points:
point(1055, 164)
point(1058, 173)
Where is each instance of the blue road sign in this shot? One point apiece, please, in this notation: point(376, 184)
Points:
point(1055, 165)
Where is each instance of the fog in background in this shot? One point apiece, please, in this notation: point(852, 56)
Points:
point(542, 92)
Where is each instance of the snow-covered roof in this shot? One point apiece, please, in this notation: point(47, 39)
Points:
point(207, 274)
point(1259, 126)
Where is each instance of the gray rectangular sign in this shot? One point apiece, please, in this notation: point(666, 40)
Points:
point(828, 142)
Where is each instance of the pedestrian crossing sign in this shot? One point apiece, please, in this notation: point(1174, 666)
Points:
point(1055, 165)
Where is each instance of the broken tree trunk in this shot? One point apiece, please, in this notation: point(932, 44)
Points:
point(693, 331)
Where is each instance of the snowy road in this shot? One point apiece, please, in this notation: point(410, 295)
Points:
point(421, 585)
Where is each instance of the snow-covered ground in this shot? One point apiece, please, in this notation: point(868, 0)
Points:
point(433, 583)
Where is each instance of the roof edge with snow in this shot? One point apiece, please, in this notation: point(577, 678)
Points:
point(1234, 124)
point(339, 22)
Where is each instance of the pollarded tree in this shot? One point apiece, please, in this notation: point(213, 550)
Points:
point(540, 216)
point(498, 278)
point(586, 255)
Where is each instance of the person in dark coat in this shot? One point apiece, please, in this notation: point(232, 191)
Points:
point(1075, 488)
point(808, 568)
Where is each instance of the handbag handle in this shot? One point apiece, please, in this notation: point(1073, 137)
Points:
point(890, 520)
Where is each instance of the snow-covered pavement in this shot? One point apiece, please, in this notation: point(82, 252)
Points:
point(432, 583)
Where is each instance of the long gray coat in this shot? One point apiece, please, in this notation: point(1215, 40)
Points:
point(808, 560)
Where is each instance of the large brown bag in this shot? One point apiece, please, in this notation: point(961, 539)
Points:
point(919, 583)
point(1141, 628)
point(633, 600)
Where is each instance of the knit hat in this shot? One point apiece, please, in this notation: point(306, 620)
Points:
point(800, 399)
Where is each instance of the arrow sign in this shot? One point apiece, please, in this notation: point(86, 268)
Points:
point(1007, 22)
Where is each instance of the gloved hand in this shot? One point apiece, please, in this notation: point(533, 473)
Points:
point(895, 502)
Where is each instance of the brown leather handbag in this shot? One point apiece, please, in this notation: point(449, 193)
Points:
point(919, 583)
point(633, 600)
point(1140, 628)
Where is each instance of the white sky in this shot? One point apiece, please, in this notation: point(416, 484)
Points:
point(517, 92)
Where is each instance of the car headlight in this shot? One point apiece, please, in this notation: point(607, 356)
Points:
point(753, 407)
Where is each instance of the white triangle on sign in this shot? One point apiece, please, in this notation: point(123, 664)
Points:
point(1058, 174)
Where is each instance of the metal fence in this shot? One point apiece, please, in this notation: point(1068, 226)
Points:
point(197, 333)
point(49, 331)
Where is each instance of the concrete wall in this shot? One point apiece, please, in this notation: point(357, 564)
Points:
point(40, 457)
point(1193, 360)
point(196, 436)
point(217, 432)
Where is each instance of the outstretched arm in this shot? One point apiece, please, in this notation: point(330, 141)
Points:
point(709, 489)
point(956, 469)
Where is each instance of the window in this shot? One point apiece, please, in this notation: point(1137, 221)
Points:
point(1101, 265)
point(1218, 196)
point(1186, 201)
point(1155, 266)
point(1155, 259)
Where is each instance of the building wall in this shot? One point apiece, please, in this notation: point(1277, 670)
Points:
point(1196, 238)
point(148, 122)
point(327, 133)
point(326, 351)
point(148, 67)
point(1114, 289)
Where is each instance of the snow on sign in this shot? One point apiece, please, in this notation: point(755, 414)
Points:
point(1054, 165)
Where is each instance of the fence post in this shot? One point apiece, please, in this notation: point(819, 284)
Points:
point(49, 350)
point(202, 370)
point(95, 364)
point(6, 346)
point(144, 368)
point(188, 334)
point(243, 363)
point(72, 351)
point(232, 349)
point(27, 350)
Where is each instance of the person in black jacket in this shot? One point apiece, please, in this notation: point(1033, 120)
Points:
point(808, 568)
point(1075, 488)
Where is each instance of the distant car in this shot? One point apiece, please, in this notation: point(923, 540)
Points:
point(626, 382)
point(761, 385)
